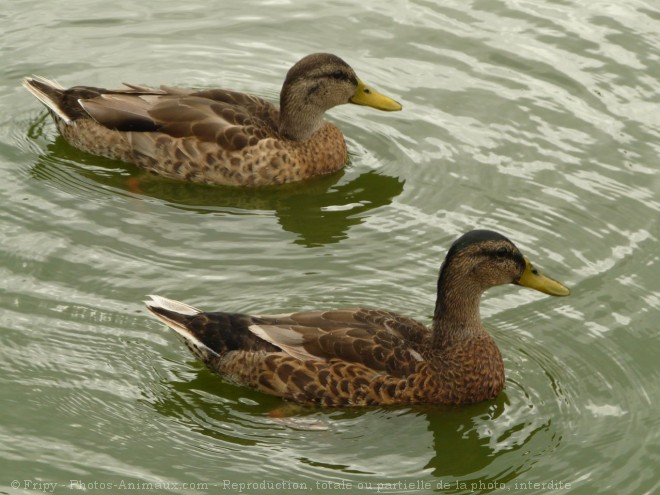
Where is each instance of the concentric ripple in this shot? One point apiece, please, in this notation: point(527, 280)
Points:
point(539, 120)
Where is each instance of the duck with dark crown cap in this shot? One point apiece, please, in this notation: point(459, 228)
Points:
point(360, 356)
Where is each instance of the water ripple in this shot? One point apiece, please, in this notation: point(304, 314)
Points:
point(539, 120)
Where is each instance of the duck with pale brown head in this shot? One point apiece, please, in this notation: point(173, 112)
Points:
point(216, 136)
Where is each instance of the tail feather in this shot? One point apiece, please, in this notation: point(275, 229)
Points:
point(49, 93)
point(175, 314)
point(158, 302)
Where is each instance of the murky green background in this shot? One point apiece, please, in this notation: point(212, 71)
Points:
point(537, 119)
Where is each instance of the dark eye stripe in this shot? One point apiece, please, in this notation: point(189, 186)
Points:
point(340, 76)
point(498, 254)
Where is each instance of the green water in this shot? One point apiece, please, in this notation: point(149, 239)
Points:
point(537, 119)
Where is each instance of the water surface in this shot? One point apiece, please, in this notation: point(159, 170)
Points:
point(537, 119)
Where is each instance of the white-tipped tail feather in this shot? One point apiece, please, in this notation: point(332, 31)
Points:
point(32, 84)
point(197, 347)
point(171, 305)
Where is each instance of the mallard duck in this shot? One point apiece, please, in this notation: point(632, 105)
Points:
point(360, 356)
point(215, 135)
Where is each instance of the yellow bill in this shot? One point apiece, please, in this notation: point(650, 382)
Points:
point(534, 279)
point(364, 95)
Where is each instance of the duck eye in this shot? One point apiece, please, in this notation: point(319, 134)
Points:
point(338, 75)
point(502, 252)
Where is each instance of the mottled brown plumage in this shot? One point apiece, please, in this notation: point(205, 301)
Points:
point(216, 135)
point(359, 356)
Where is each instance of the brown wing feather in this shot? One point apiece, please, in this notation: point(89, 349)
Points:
point(249, 109)
point(355, 335)
point(408, 329)
point(230, 119)
point(122, 112)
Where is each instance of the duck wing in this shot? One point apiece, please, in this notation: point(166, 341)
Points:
point(382, 341)
point(230, 119)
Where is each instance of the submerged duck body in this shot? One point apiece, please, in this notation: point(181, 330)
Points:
point(360, 356)
point(216, 136)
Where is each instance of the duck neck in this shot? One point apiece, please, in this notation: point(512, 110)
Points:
point(456, 315)
point(299, 119)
